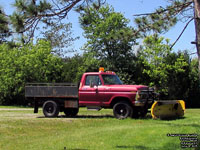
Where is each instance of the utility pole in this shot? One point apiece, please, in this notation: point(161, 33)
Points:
point(197, 29)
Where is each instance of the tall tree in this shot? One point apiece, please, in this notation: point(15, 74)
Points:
point(108, 36)
point(197, 27)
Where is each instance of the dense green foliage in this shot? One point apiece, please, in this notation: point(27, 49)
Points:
point(162, 66)
point(75, 66)
point(26, 63)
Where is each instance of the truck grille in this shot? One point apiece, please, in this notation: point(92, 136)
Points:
point(145, 95)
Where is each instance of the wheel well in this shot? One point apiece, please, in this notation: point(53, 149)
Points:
point(120, 99)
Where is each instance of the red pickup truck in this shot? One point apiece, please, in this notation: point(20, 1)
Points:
point(96, 90)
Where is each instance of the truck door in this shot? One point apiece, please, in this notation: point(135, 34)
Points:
point(89, 93)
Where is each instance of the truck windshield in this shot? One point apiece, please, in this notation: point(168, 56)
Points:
point(111, 80)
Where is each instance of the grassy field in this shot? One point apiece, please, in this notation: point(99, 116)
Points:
point(91, 130)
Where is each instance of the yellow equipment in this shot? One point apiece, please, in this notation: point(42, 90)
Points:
point(166, 109)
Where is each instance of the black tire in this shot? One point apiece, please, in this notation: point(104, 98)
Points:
point(122, 110)
point(71, 112)
point(50, 109)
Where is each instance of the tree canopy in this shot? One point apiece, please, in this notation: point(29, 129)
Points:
point(108, 35)
point(164, 68)
point(25, 64)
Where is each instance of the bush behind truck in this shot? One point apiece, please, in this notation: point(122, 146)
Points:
point(96, 90)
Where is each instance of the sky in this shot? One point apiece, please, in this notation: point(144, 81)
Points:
point(128, 8)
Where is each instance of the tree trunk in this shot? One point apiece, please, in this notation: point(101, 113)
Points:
point(197, 28)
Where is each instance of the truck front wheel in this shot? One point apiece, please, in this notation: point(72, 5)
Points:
point(71, 112)
point(50, 109)
point(122, 110)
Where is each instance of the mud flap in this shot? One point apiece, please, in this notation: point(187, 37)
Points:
point(168, 109)
point(36, 106)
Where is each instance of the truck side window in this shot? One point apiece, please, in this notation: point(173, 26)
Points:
point(93, 79)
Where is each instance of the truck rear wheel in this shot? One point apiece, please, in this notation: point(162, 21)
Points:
point(50, 109)
point(71, 112)
point(122, 110)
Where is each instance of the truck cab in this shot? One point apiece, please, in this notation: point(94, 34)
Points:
point(105, 90)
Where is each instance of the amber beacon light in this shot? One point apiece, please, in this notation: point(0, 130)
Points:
point(101, 69)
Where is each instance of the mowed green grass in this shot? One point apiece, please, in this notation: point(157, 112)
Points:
point(91, 130)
